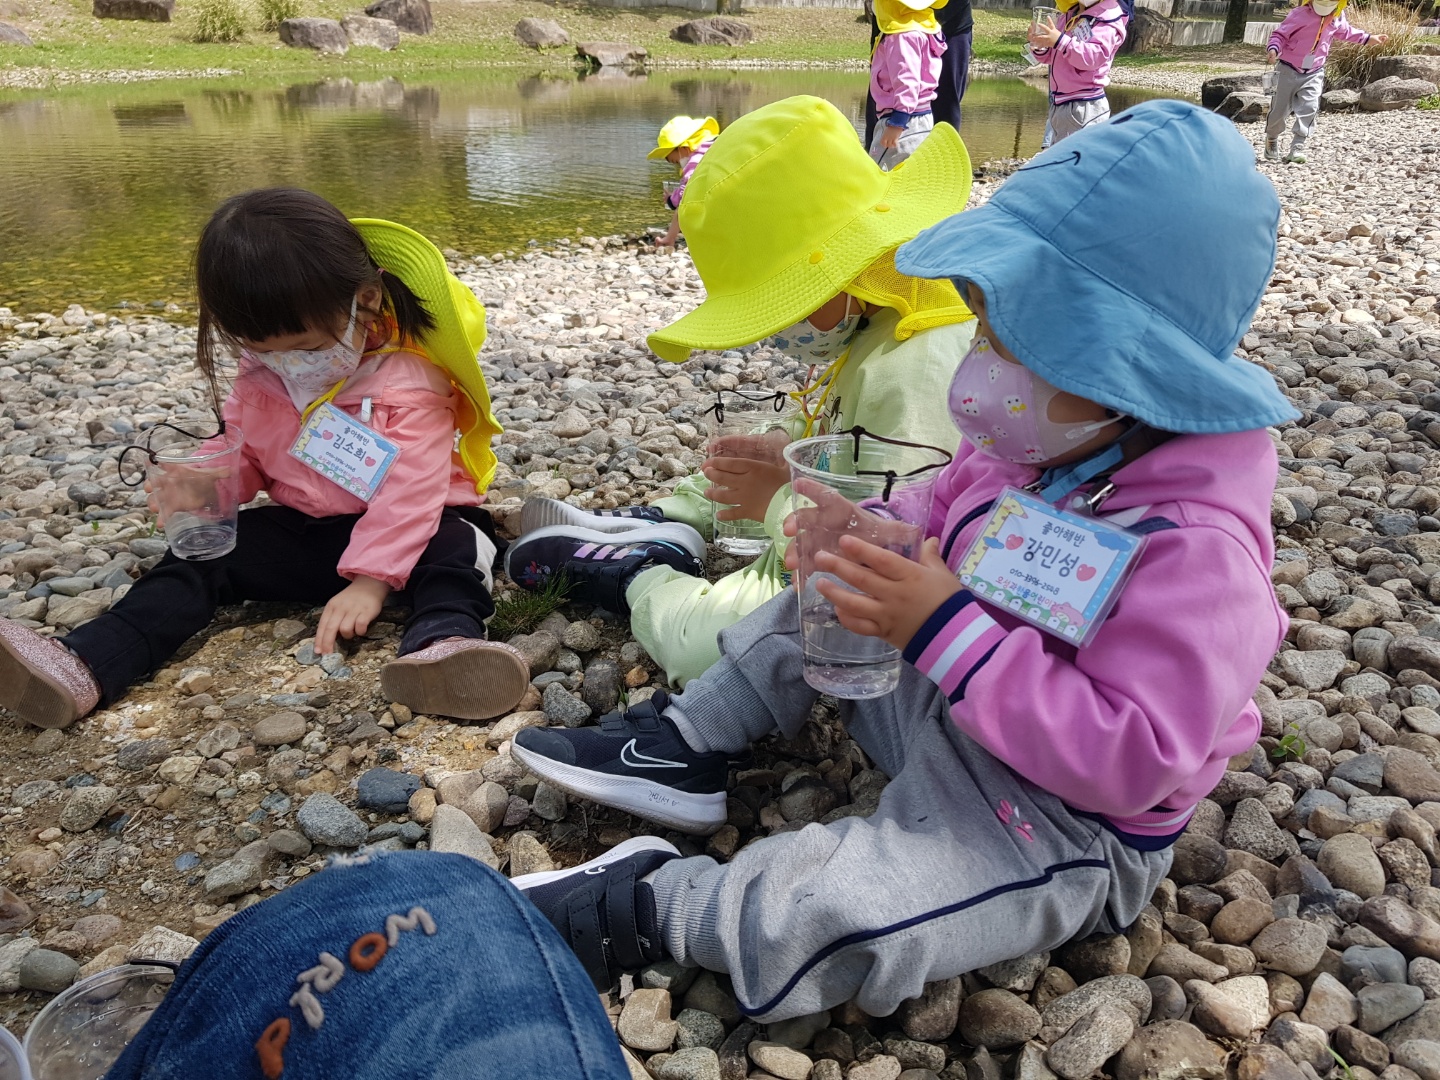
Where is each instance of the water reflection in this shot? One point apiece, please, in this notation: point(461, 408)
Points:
point(103, 189)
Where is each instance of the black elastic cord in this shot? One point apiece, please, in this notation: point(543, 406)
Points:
point(890, 474)
point(150, 453)
point(778, 399)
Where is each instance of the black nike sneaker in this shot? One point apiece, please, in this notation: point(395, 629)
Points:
point(539, 513)
point(599, 565)
point(602, 909)
point(635, 761)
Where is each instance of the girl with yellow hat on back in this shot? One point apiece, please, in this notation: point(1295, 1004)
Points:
point(682, 142)
point(793, 230)
point(904, 76)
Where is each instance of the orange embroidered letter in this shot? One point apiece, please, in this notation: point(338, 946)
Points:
point(271, 1048)
point(368, 951)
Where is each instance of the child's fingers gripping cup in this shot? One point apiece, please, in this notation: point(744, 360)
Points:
point(1045, 18)
point(878, 490)
point(745, 425)
point(195, 485)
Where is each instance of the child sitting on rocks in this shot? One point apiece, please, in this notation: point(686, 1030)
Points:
point(1299, 47)
point(360, 322)
point(683, 143)
point(1079, 56)
point(1038, 781)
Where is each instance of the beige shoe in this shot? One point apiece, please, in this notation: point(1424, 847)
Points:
point(42, 681)
point(466, 678)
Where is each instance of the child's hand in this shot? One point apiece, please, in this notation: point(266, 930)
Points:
point(350, 612)
point(828, 514)
point(896, 595)
point(1380, 39)
point(890, 136)
point(746, 471)
point(1044, 36)
point(1272, 57)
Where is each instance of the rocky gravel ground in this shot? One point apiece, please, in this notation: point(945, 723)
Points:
point(1298, 935)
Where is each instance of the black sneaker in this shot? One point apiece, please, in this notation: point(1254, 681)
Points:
point(543, 513)
point(635, 761)
point(602, 910)
point(599, 565)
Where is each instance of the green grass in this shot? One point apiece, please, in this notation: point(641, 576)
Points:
point(1429, 103)
point(520, 612)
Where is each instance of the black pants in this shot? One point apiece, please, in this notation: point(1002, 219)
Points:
point(954, 78)
point(282, 554)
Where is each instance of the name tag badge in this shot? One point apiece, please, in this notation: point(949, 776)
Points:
point(1058, 570)
point(345, 451)
point(1308, 62)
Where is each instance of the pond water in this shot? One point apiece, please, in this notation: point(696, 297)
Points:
point(103, 189)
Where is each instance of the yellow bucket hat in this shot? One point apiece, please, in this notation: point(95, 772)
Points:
point(684, 131)
point(454, 344)
point(787, 209)
point(905, 16)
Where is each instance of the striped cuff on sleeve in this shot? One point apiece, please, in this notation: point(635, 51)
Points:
point(954, 643)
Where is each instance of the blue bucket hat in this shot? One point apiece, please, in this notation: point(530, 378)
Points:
point(412, 964)
point(1125, 263)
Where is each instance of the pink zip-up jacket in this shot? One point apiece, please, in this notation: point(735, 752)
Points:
point(1304, 33)
point(904, 74)
point(688, 170)
point(1137, 726)
point(413, 404)
point(1080, 61)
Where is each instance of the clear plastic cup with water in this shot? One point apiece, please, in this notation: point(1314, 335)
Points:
point(196, 485)
point(1046, 18)
point(1267, 81)
point(854, 484)
point(13, 1065)
point(84, 1029)
point(753, 425)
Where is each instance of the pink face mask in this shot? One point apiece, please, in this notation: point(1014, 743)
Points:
point(1003, 409)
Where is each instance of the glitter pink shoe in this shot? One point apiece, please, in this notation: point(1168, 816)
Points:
point(42, 681)
point(466, 678)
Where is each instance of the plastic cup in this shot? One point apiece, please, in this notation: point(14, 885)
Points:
point(671, 186)
point(739, 418)
point(854, 485)
point(1267, 82)
point(1046, 17)
point(84, 1029)
point(13, 1065)
point(197, 486)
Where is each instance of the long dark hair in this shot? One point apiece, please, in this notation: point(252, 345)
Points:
point(284, 261)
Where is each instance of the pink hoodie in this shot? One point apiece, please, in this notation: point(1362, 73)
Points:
point(413, 404)
point(1305, 33)
point(1138, 725)
point(905, 74)
point(1080, 61)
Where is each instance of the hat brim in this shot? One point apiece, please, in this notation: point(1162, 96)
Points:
point(1088, 337)
point(660, 153)
point(417, 262)
point(931, 186)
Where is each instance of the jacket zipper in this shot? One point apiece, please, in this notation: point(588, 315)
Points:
point(960, 525)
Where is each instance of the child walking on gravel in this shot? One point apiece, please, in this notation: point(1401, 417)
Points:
point(1079, 55)
point(683, 143)
point(1299, 47)
point(1039, 775)
point(334, 323)
point(904, 77)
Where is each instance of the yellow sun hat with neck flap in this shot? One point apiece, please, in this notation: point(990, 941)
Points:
point(787, 210)
point(904, 16)
point(686, 131)
point(454, 343)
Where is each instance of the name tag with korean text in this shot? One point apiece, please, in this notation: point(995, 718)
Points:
point(345, 451)
point(1058, 570)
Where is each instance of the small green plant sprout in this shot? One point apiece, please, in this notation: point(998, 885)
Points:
point(1291, 746)
point(218, 21)
point(1430, 103)
point(520, 612)
point(274, 12)
point(1346, 1072)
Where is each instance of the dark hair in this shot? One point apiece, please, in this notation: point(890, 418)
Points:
point(284, 261)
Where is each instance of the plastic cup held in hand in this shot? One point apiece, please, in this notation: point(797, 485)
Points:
point(856, 485)
point(737, 425)
point(1047, 18)
point(84, 1029)
point(13, 1065)
point(196, 485)
point(1267, 82)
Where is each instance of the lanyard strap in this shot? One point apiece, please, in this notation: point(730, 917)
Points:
point(329, 396)
point(1057, 482)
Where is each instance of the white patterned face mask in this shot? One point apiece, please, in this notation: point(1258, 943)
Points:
point(309, 373)
point(801, 341)
point(1324, 7)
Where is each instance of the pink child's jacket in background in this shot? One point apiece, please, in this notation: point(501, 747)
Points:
point(413, 405)
point(1304, 33)
point(687, 171)
point(1080, 61)
point(905, 73)
point(1137, 726)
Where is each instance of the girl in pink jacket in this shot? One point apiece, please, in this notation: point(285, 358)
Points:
point(288, 286)
point(1079, 54)
point(904, 77)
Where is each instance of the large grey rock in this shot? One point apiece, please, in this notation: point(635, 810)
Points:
point(1253, 829)
point(996, 1019)
point(86, 806)
point(1214, 91)
point(47, 970)
point(327, 821)
point(716, 30)
point(322, 35)
point(1349, 862)
point(412, 16)
point(1244, 107)
point(1400, 925)
point(1420, 1056)
point(1339, 100)
point(610, 53)
point(1170, 1050)
point(13, 35)
point(141, 10)
point(1091, 1041)
point(1394, 93)
point(541, 33)
point(1126, 990)
point(645, 1022)
point(362, 31)
point(1293, 946)
point(453, 830)
point(1382, 1005)
point(1409, 66)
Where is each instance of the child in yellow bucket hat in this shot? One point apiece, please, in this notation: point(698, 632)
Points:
point(804, 256)
point(682, 142)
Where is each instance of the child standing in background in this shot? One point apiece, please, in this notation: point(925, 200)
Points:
point(1079, 56)
point(904, 77)
point(682, 142)
point(1299, 47)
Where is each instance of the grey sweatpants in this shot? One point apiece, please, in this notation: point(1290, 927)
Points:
point(916, 131)
point(1298, 94)
point(964, 863)
point(1072, 116)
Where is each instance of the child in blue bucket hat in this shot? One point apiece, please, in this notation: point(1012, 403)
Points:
point(419, 965)
point(1039, 775)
